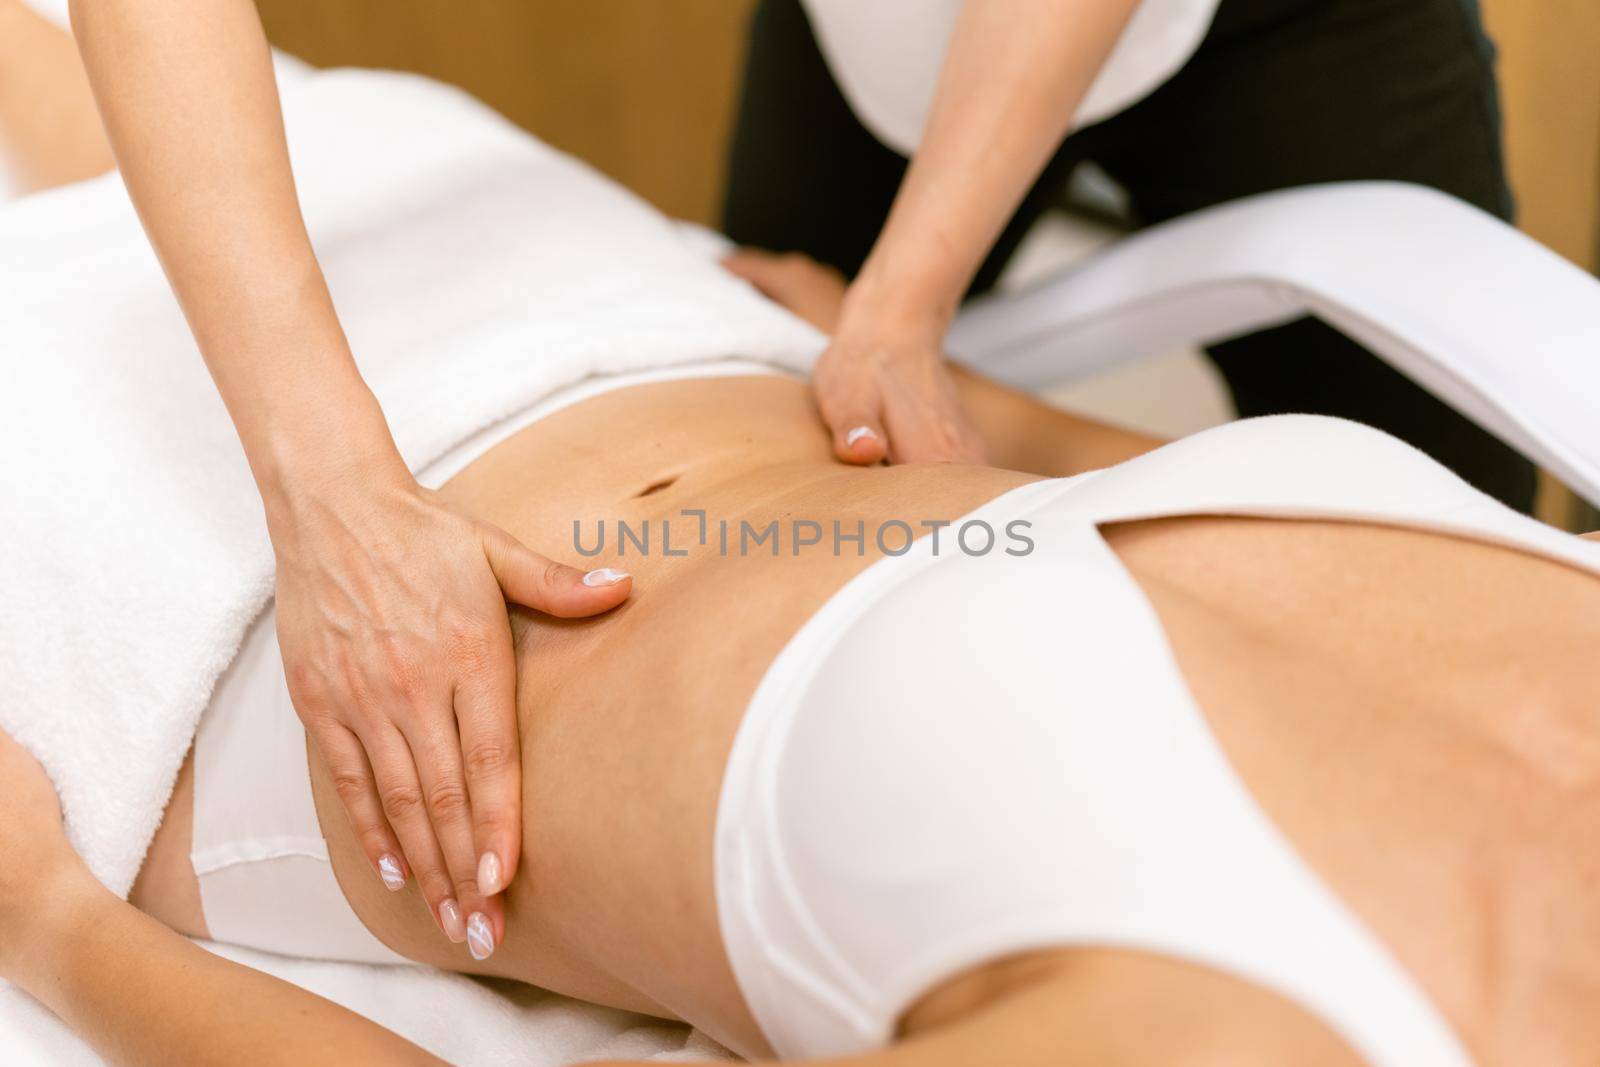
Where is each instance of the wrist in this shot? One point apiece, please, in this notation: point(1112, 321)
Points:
point(912, 300)
point(322, 454)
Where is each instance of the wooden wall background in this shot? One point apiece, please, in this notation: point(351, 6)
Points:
point(1550, 79)
point(1550, 82)
point(642, 89)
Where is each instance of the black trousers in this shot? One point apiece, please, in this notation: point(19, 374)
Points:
point(1282, 93)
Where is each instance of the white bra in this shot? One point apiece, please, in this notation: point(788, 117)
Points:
point(958, 758)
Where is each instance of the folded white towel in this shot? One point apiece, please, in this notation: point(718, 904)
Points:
point(475, 271)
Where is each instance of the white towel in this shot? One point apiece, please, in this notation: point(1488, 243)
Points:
point(475, 271)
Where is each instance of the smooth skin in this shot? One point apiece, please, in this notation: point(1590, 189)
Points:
point(620, 791)
point(1426, 734)
point(142, 995)
point(1013, 79)
point(391, 603)
point(1415, 712)
point(49, 130)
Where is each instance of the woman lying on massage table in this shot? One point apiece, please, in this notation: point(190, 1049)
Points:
point(1277, 744)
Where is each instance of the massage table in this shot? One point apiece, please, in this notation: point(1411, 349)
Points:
point(1471, 309)
point(1438, 289)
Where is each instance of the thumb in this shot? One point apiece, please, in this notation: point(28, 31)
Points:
point(857, 431)
point(860, 439)
point(538, 582)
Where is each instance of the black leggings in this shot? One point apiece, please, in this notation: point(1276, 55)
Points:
point(1281, 93)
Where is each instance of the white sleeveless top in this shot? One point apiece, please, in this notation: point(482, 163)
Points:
point(886, 56)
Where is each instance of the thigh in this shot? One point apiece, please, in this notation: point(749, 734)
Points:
point(1294, 92)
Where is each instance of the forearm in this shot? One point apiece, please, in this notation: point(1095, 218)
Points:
point(1014, 77)
point(140, 994)
point(188, 96)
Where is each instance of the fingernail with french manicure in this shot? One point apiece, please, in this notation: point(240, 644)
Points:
point(389, 870)
point(604, 576)
point(450, 921)
point(857, 434)
point(480, 936)
point(489, 872)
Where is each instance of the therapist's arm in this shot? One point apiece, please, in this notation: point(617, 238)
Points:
point(391, 606)
point(1014, 76)
point(1020, 432)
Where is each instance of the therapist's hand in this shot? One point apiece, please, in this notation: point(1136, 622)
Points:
point(882, 386)
point(885, 393)
point(398, 651)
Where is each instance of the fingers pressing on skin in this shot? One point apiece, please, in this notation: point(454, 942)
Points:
point(436, 752)
point(375, 679)
point(489, 747)
point(859, 438)
point(539, 582)
point(938, 432)
point(405, 807)
point(886, 394)
point(354, 782)
point(851, 413)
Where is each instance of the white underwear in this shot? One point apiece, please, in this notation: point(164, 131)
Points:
point(258, 852)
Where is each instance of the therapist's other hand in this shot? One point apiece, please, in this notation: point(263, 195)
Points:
point(885, 393)
point(398, 652)
point(882, 386)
